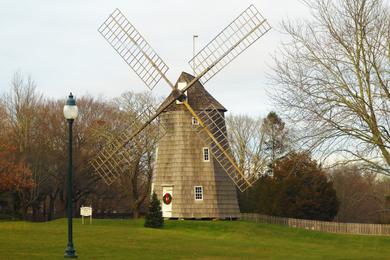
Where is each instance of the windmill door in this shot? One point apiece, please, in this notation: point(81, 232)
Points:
point(167, 201)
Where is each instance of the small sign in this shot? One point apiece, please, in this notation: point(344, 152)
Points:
point(86, 212)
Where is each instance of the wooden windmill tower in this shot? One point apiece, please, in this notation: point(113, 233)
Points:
point(195, 172)
point(185, 168)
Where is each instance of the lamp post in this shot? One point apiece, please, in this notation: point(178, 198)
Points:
point(70, 113)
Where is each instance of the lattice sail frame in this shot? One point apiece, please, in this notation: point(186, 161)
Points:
point(246, 29)
point(212, 131)
point(133, 48)
point(115, 158)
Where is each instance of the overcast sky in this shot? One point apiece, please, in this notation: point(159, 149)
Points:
point(57, 43)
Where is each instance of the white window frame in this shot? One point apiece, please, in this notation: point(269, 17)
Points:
point(180, 86)
point(194, 121)
point(204, 154)
point(201, 193)
point(152, 189)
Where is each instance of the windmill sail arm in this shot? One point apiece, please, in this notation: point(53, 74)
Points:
point(109, 154)
point(220, 150)
point(118, 153)
point(246, 29)
point(177, 94)
point(134, 49)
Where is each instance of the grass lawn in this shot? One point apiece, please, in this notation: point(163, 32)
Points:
point(128, 239)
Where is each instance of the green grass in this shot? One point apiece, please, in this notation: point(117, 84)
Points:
point(128, 239)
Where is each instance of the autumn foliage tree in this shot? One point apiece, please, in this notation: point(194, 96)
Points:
point(36, 131)
point(14, 174)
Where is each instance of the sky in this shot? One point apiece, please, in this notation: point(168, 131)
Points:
point(58, 45)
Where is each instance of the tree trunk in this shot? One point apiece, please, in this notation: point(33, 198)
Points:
point(135, 213)
point(51, 207)
point(35, 210)
point(44, 209)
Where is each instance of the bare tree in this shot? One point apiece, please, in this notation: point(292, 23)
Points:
point(137, 181)
point(362, 195)
point(4, 124)
point(247, 141)
point(333, 79)
point(256, 143)
point(276, 136)
point(134, 184)
point(20, 106)
point(23, 104)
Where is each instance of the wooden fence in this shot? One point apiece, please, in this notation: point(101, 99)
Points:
point(333, 227)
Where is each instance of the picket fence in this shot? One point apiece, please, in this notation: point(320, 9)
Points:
point(325, 226)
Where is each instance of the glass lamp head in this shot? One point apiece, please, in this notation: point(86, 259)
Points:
point(70, 109)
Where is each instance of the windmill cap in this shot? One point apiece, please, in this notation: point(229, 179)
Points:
point(198, 97)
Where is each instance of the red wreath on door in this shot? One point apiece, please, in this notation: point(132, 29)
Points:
point(167, 198)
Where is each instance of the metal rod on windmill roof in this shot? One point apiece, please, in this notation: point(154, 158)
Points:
point(193, 53)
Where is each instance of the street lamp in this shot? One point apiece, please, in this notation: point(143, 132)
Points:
point(70, 113)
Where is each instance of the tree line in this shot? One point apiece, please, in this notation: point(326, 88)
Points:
point(33, 138)
point(329, 158)
point(332, 80)
point(293, 184)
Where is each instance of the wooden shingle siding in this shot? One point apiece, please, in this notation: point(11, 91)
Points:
point(180, 163)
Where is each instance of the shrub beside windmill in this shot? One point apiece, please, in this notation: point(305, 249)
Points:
point(195, 169)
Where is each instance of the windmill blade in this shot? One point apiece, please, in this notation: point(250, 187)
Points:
point(212, 132)
point(246, 29)
point(117, 155)
point(108, 166)
point(138, 54)
point(144, 61)
point(133, 49)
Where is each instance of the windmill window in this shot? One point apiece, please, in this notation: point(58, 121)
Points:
point(198, 192)
point(181, 86)
point(194, 121)
point(206, 154)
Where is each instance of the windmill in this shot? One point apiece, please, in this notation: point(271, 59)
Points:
point(195, 169)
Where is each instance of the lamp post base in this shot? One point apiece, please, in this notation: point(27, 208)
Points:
point(70, 252)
